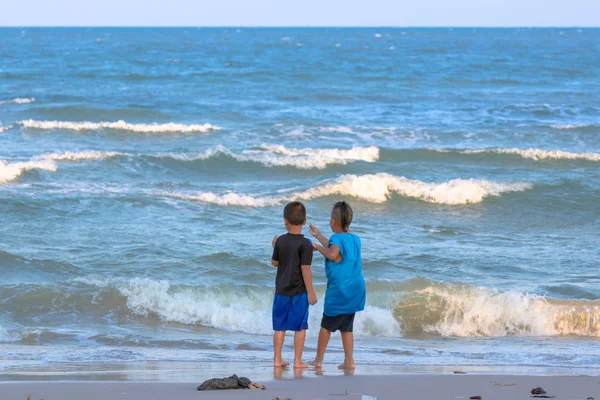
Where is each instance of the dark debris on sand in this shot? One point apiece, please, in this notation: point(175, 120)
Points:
point(232, 383)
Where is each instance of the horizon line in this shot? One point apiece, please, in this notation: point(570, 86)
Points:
point(315, 26)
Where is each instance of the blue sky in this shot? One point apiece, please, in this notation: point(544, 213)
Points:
point(300, 13)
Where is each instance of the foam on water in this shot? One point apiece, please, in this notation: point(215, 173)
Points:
point(539, 154)
point(5, 128)
point(464, 310)
point(11, 171)
point(88, 155)
point(374, 188)
point(534, 154)
point(236, 308)
point(119, 125)
point(280, 156)
point(19, 100)
point(411, 308)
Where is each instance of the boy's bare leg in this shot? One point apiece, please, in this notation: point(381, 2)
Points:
point(348, 342)
point(299, 339)
point(278, 338)
point(324, 336)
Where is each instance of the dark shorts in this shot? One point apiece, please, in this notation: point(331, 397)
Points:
point(342, 323)
point(290, 313)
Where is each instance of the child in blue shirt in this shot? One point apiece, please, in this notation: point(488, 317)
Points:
point(346, 291)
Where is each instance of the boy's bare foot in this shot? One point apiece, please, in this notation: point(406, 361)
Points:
point(316, 364)
point(347, 365)
point(281, 364)
point(300, 365)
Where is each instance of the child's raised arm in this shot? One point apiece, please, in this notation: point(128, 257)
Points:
point(317, 234)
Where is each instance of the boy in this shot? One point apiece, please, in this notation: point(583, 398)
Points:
point(292, 256)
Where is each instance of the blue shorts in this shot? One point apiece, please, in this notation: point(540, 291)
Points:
point(290, 313)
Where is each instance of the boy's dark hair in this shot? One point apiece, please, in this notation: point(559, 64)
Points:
point(342, 213)
point(295, 213)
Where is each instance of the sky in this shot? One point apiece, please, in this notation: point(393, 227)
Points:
point(402, 13)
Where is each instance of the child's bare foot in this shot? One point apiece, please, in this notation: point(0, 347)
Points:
point(300, 365)
point(281, 364)
point(347, 365)
point(316, 363)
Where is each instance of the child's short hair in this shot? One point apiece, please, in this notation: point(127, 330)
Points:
point(295, 213)
point(342, 213)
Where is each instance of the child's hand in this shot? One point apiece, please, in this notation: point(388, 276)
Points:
point(314, 230)
point(312, 298)
point(274, 241)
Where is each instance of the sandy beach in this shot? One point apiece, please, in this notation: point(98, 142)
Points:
point(178, 381)
point(425, 387)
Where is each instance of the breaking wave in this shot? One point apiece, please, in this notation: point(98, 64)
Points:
point(410, 309)
point(119, 125)
point(230, 308)
point(11, 171)
point(464, 310)
point(534, 154)
point(374, 188)
point(19, 100)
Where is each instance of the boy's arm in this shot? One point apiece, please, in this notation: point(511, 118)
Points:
point(275, 256)
point(308, 282)
point(332, 252)
point(318, 235)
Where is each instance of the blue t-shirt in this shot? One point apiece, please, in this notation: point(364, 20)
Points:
point(346, 292)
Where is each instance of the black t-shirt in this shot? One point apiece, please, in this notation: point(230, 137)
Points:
point(292, 251)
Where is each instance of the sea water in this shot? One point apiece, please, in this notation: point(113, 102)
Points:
point(143, 173)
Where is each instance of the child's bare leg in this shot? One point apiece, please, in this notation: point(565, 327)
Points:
point(299, 339)
point(348, 342)
point(324, 336)
point(278, 338)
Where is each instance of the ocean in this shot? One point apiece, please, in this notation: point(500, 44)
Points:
point(143, 174)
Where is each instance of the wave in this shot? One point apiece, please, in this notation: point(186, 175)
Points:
point(374, 188)
point(5, 128)
point(394, 309)
point(465, 311)
point(119, 125)
point(19, 100)
point(87, 155)
point(11, 171)
point(230, 308)
point(280, 156)
point(534, 154)
point(267, 155)
point(12, 335)
point(567, 127)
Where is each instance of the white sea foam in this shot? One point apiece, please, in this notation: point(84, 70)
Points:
point(87, 155)
point(231, 308)
point(534, 154)
point(11, 171)
point(569, 126)
point(8, 335)
point(19, 100)
point(5, 128)
point(119, 125)
point(278, 156)
point(472, 311)
point(375, 188)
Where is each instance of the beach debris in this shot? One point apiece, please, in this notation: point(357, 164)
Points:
point(233, 382)
point(475, 397)
point(459, 372)
point(590, 398)
point(282, 398)
point(538, 390)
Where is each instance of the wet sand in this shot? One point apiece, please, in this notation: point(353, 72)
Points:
point(314, 387)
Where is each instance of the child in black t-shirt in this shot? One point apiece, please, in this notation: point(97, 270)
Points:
point(292, 256)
